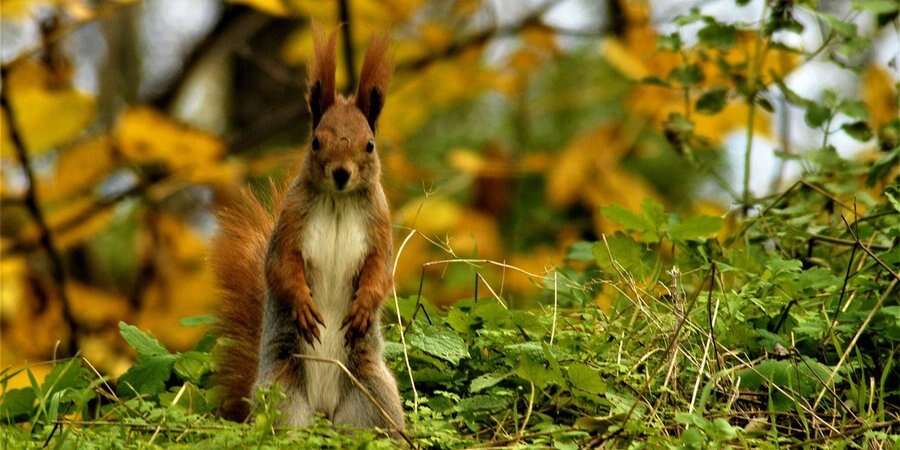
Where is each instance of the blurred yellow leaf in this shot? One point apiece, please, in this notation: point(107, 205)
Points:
point(145, 135)
point(77, 169)
point(95, 307)
point(430, 215)
point(623, 59)
point(273, 7)
point(879, 92)
point(12, 287)
point(580, 162)
point(47, 114)
point(88, 222)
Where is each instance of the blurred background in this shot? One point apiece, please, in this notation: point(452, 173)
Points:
point(508, 125)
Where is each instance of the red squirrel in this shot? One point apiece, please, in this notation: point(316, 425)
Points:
point(311, 279)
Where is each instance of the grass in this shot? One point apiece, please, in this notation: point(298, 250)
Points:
point(778, 339)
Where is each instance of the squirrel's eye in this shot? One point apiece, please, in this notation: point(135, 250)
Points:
point(370, 146)
point(316, 145)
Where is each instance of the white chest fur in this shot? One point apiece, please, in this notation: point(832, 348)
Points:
point(334, 245)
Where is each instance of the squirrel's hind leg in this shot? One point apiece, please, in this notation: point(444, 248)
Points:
point(358, 410)
point(295, 407)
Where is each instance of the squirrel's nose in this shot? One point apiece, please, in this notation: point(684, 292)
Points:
point(340, 176)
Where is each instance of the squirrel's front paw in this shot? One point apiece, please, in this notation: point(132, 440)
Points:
point(358, 321)
point(308, 320)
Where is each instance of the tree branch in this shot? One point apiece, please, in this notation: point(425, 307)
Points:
point(347, 32)
point(45, 240)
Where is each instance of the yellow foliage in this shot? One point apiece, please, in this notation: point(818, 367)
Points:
point(95, 307)
point(48, 112)
point(12, 286)
point(77, 169)
point(539, 261)
point(73, 222)
point(145, 135)
point(623, 59)
point(273, 7)
point(879, 92)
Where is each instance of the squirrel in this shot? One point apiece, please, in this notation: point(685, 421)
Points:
point(310, 278)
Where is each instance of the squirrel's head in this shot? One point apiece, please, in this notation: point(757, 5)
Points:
point(343, 155)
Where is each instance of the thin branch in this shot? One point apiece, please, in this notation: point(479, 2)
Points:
point(86, 214)
point(45, 239)
point(347, 34)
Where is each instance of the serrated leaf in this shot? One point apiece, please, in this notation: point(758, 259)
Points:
point(624, 251)
point(695, 228)
point(17, 403)
point(712, 101)
point(626, 218)
point(586, 378)
point(654, 212)
point(438, 342)
point(142, 342)
point(146, 377)
point(485, 381)
point(192, 366)
point(71, 375)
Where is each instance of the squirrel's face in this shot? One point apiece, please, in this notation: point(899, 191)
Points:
point(343, 157)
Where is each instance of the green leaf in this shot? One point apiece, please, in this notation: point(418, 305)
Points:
point(143, 343)
point(877, 7)
point(695, 228)
point(624, 251)
point(687, 75)
point(816, 115)
point(671, 42)
point(883, 166)
point(854, 108)
point(654, 212)
point(486, 380)
point(858, 130)
point(195, 321)
point(438, 342)
point(718, 35)
point(712, 101)
point(586, 378)
point(146, 377)
point(893, 195)
point(844, 28)
point(17, 403)
point(71, 375)
point(581, 251)
point(537, 372)
point(192, 366)
point(626, 218)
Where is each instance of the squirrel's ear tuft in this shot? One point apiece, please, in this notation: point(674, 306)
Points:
point(321, 74)
point(374, 78)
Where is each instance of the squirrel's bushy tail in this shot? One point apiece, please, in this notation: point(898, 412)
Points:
point(238, 258)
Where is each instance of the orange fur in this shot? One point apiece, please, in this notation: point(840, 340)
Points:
point(374, 78)
point(239, 250)
point(321, 73)
point(259, 260)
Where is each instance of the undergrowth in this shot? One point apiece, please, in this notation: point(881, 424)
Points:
point(782, 331)
point(777, 326)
